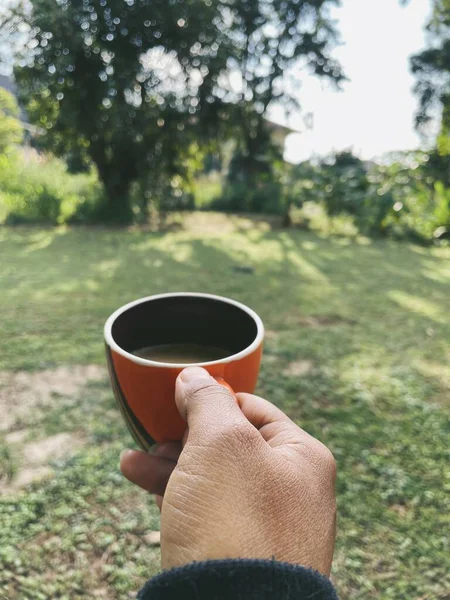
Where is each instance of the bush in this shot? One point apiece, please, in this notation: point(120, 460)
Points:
point(252, 184)
point(416, 205)
point(38, 189)
point(401, 199)
point(423, 215)
point(265, 197)
point(442, 211)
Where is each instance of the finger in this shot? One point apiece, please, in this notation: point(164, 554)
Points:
point(185, 437)
point(148, 471)
point(159, 501)
point(206, 405)
point(168, 450)
point(272, 423)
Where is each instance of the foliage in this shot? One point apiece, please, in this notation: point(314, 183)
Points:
point(12, 31)
point(367, 323)
point(432, 70)
point(417, 205)
point(173, 190)
point(399, 198)
point(341, 184)
point(263, 198)
point(10, 127)
point(344, 178)
point(269, 39)
point(125, 84)
point(207, 188)
point(39, 190)
point(131, 85)
point(251, 184)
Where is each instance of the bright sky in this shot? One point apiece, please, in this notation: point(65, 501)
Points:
point(374, 113)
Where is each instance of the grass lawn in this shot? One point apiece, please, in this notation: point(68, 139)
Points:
point(357, 352)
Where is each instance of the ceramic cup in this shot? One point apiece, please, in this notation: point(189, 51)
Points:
point(145, 389)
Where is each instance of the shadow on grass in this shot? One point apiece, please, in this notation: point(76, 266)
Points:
point(369, 318)
point(60, 285)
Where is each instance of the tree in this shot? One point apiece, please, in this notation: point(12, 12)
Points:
point(10, 127)
point(432, 70)
point(126, 84)
point(131, 84)
point(273, 41)
point(12, 31)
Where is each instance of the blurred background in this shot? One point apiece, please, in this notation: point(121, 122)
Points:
point(291, 154)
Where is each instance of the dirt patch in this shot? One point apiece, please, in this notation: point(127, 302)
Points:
point(317, 322)
point(33, 458)
point(50, 448)
point(298, 368)
point(23, 399)
point(26, 477)
point(401, 510)
point(153, 538)
point(17, 437)
point(270, 335)
point(23, 393)
point(101, 593)
point(214, 223)
point(270, 358)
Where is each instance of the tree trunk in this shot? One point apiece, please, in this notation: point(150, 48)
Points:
point(287, 219)
point(118, 202)
point(116, 177)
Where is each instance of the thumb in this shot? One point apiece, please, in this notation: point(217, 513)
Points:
point(204, 404)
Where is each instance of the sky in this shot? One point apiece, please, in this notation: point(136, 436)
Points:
point(374, 112)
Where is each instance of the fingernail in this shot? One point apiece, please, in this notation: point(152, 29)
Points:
point(124, 452)
point(192, 373)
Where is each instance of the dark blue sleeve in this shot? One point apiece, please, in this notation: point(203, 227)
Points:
point(239, 580)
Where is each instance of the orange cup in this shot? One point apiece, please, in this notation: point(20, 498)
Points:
point(145, 389)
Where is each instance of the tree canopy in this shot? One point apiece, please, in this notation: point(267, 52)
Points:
point(274, 43)
point(432, 70)
point(119, 82)
point(131, 85)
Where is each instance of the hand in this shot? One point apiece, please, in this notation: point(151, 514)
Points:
point(245, 483)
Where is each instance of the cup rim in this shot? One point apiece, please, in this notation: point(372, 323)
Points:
point(153, 363)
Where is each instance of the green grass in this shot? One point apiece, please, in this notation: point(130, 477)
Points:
point(372, 318)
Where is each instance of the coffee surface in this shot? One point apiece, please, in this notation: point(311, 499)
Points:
point(181, 353)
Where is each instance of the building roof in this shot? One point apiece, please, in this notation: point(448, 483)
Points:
point(281, 128)
point(8, 84)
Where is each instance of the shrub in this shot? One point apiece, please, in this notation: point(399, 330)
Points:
point(442, 210)
point(416, 205)
point(38, 189)
point(266, 196)
point(401, 199)
point(252, 184)
point(423, 215)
